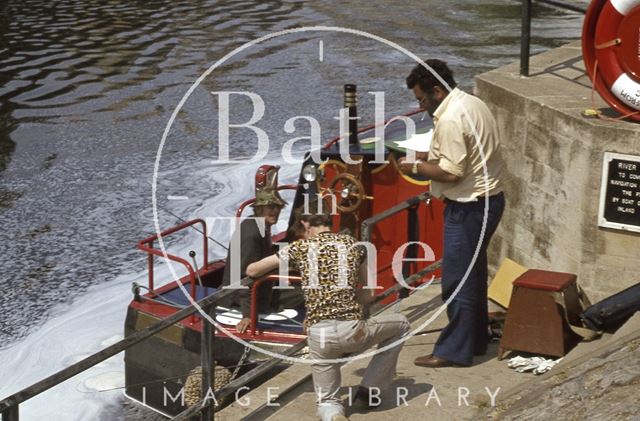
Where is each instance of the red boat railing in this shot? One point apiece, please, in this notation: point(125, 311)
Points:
point(331, 142)
point(147, 246)
point(254, 296)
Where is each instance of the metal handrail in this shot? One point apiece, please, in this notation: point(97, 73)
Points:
point(525, 36)
point(367, 226)
point(369, 223)
point(232, 386)
point(9, 405)
point(250, 375)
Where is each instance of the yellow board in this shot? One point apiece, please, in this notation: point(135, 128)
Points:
point(502, 284)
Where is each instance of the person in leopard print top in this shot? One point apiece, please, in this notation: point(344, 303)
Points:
point(336, 259)
point(333, 268)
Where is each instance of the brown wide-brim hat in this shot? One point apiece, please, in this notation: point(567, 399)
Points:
point(268, 196)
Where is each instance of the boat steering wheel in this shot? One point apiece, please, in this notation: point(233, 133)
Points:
point(349, 191)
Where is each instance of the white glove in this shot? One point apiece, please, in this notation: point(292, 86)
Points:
point(539, 365)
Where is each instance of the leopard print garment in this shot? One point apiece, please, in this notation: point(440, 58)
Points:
point(328, 286)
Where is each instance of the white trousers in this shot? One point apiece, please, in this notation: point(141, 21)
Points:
point(332, 339)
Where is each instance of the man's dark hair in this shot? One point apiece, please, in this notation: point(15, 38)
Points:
point(423, 77)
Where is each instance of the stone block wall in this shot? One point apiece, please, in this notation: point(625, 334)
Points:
point(554, 161)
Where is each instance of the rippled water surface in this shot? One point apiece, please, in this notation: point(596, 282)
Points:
point(87, 87)
point(86, 90)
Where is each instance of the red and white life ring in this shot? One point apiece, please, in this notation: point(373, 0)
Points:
point(611, 50)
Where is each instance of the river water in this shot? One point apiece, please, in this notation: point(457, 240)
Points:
point(86, 91)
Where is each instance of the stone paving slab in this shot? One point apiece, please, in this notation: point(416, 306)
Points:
point(416, 392)
point(605, 373)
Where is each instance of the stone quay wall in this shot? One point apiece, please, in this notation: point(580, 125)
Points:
point(554, 159)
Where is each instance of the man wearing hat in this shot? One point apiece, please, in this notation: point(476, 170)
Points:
point(255, 244)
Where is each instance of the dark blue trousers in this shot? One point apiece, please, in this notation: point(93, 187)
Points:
point(467, 331)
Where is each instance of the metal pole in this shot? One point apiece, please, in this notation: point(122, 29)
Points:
point(412, 250)
point(150, 268)
point(206, 352)
point(350, 103)
point(11, 414)
point(525, 38)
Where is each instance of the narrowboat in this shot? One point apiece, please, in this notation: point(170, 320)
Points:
point(359, 174)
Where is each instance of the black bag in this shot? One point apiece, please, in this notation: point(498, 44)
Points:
point(612, 312)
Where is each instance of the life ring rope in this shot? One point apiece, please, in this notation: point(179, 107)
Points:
point(595, 112)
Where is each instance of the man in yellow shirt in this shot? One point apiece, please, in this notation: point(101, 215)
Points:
point(465, 167)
